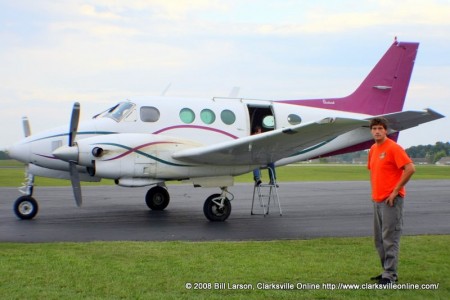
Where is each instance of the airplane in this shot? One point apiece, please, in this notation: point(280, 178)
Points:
point(147, 142)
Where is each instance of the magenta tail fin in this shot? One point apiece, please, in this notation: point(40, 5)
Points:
point(382, 91)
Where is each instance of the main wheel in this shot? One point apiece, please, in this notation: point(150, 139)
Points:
point(215, 210)
point(26, 207)
point(157, 198)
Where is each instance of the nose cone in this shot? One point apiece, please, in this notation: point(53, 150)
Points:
point(20, 152)
point(67, 153)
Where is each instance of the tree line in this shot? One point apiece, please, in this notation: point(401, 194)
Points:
point(432, 153)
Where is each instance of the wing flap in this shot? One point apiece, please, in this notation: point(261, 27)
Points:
point(269, 146)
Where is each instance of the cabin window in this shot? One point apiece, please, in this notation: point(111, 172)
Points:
point(149, 114)
point(187, 115)
point(228, 117)
point(268, 122)
point(207, 116)
point(294, 119)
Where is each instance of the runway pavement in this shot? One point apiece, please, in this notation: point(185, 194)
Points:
point(310, 209)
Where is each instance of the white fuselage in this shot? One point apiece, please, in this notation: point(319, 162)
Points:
point(140, 137)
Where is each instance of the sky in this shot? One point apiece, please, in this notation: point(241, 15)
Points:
point(100, 52)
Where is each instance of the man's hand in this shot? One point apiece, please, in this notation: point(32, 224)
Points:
point(408, 171)
point(390, 200)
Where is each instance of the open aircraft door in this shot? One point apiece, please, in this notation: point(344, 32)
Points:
point(262, 115)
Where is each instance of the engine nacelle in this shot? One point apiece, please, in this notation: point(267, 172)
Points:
point(132, 155)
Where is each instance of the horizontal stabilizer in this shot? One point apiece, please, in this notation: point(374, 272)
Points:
point(407, 119)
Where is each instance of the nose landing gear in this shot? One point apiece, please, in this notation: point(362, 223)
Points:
point(26, 207)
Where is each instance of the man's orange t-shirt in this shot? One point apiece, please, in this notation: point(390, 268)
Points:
point(386, 162)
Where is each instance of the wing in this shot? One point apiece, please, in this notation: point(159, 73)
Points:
point(269, 146)
point(407, 119)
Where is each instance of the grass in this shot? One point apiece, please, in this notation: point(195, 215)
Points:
point(13, 175)
point(161, 270)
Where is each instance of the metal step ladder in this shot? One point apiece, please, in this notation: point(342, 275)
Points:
point(266, 194)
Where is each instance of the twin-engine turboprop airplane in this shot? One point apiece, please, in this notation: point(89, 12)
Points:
point(208, 141)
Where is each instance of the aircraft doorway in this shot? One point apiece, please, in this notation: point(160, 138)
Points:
point(261, 116)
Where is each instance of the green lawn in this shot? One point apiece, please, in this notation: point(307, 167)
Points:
point(163, 270)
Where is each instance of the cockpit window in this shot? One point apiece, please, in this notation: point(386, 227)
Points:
point(117, 112)
point(149, 114)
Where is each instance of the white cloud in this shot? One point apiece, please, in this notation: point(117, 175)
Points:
point(103, 51)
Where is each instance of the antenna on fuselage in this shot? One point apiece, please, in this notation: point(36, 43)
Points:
point(234, 92)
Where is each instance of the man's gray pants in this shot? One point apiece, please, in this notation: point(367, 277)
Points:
point(388, 223)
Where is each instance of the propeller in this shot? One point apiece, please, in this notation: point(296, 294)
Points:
point(74, 123)
point(74, 175)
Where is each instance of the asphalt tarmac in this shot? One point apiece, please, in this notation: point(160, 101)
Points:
point(310, 210)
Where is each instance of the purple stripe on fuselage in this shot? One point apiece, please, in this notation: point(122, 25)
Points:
point(45, 156)
point(131, 150)
point(195, 127)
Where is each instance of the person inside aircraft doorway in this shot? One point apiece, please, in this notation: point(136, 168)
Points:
point(270, 167)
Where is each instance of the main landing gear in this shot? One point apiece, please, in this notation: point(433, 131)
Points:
point(157, 198)
point(217, 207)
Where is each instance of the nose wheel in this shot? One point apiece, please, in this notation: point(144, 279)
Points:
point(26, 207)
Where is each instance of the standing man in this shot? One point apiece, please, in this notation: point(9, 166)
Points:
point(390, 170)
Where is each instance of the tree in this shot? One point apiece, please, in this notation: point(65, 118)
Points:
point(3, 155)
point(439, 155)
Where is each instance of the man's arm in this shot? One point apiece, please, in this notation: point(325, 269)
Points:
point(408, 171)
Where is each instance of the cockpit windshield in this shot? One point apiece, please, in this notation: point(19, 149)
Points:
point(118, 112)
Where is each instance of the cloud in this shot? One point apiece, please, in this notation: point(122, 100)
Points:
point(343, 16)
point(98, 51)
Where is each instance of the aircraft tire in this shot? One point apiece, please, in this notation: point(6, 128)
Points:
point(157, 198)
point(213, 212)
point(26, 207)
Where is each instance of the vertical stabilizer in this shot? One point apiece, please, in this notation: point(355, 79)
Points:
point(382, 91)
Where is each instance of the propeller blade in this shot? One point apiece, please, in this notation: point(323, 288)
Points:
point(26, 127)
point(74, 123)
point(76, 186)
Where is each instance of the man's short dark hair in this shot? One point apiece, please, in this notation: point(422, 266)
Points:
point(379, 121)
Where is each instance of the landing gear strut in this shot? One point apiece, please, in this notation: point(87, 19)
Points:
point(217, 207)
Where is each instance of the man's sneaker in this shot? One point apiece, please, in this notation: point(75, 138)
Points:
point(385, 281)
point(258, 182)
point(376, 278)
point(379, 277)
point(275, 184)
